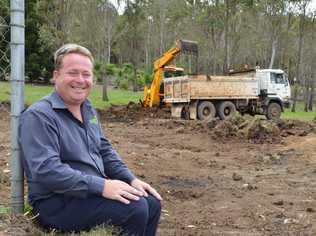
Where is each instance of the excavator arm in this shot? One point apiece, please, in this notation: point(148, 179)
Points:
point(151, 95)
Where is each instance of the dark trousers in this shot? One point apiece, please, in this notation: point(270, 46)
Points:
point(74, 214)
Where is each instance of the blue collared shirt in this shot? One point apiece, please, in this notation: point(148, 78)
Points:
point(62, 155)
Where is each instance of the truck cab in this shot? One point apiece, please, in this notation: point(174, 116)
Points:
point(274, 84)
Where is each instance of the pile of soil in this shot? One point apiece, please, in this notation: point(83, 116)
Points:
point(242, 128)
point(132, 112)
point(257, 130)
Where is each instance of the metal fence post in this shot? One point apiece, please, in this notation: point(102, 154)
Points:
point(17, 101)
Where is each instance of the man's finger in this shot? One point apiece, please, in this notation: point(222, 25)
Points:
point(144, 192)
point(123, 200)
point(154, 193)
point(142, 189)
point(130, 196)
point(135, 191)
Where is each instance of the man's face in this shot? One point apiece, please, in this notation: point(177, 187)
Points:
point(74, 79)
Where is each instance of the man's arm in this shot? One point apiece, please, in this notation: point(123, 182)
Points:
point(113, 164)
point(39, 140)
point(116, 169)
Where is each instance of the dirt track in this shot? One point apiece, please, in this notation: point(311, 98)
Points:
point(222, 178)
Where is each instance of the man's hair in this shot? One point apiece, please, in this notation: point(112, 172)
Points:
point(67, 49)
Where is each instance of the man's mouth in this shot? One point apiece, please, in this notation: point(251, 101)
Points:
point(78, 88)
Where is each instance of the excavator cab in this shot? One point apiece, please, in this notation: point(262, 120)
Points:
point(152, 95)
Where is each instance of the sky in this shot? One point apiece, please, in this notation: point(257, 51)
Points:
point(312, 5)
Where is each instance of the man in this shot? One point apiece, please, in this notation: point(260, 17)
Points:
point(76, 179)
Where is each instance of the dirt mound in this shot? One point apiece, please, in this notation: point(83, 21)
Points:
point(242, 128)
point(295, 127)
point(132, 112)
point(258, 130)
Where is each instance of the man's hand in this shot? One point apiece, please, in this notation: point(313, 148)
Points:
point(120, 191)
point(144, 188)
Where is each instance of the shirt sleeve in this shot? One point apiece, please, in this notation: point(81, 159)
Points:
point(113, 165)
point(39, 140)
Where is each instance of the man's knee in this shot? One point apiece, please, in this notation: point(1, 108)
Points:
point(140, 212)
point(154, 205)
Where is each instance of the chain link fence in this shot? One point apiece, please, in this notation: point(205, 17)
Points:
point(4, 47)
point(4, 42)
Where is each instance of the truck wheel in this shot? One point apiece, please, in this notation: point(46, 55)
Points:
point(273, 111)
point(185, 113)
point(206, 111)
point(226, 109)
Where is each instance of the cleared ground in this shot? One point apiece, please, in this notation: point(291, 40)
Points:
point(244, 176)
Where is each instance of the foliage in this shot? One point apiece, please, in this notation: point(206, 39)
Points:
point(102, 69)
point(126, 77)
point(38, 57)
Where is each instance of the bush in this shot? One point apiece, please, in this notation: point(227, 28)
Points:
point(125, 78)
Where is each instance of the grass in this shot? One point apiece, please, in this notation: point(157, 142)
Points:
point(299, 114)
point(32, 93)
point(27, 223)
point(102, 230)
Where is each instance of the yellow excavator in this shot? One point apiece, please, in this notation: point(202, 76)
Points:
point(152, 95)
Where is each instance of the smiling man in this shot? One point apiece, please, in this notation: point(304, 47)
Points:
point(76, 179)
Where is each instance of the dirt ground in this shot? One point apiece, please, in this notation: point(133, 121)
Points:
point(244, 176)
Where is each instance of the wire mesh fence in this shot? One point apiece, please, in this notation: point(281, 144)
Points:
point(4, 47)
point(4, 42)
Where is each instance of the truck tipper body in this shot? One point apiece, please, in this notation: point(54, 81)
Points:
point(265, 92)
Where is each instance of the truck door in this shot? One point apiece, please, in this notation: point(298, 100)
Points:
point(279, 85)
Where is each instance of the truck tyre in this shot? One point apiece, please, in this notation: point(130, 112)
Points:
point(226, 109)
point(185, 113)
point(273, 111)
point(206, 111)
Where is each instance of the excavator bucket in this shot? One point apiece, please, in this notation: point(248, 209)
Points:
point(188, 47)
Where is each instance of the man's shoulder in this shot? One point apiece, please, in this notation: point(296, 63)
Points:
point(42, 106)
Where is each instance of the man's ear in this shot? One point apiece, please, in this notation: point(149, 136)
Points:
point(55, 76)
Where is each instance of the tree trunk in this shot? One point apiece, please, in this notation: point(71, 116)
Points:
point(295, 94)
point(313, 70)
point(104, 88)
point(214, 56)
point(300, 46)
point(307, 94)
point(274, 45)
point(135, 79)
point(311, 98)
point(225, 66)
point(109, 47)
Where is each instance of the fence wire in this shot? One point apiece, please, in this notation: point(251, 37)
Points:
point(4, 43)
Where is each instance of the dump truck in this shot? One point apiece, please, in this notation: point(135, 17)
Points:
point(153, 96)
point(204, 97)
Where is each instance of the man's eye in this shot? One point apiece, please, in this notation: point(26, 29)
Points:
point(86, 75)
point(73, 73)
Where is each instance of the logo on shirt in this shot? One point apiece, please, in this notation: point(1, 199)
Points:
point(94, 120)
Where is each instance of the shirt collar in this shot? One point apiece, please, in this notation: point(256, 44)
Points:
point(58, 103)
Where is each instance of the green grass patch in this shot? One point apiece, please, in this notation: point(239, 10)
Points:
point(105, 230)
point(4, 210)
point(299, 113)
point(33, 93)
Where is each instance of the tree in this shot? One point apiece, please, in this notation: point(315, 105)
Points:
point(302, 6)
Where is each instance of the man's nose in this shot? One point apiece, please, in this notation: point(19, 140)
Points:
point(80, 77)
